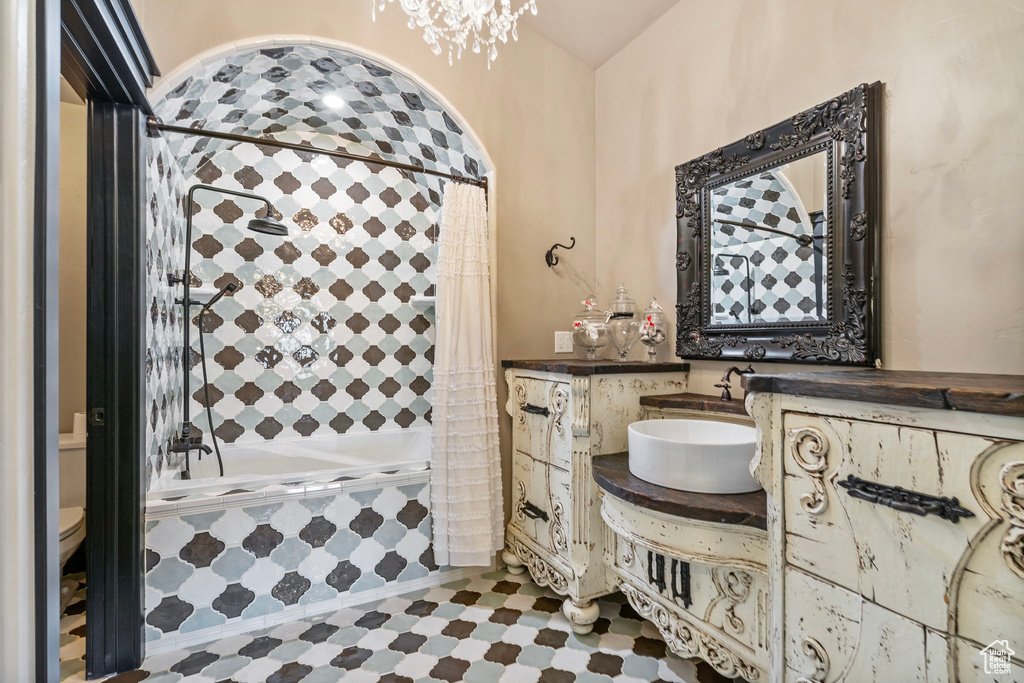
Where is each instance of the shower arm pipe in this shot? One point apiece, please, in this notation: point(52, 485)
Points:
point(802, 240)
point(156, 125)
point(186, 279)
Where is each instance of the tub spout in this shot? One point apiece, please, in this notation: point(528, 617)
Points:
point(181, 446)
point(185, 444)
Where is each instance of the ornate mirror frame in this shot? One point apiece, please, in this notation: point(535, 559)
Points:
point(846, 129)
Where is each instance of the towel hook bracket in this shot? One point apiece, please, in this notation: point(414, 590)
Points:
point(550, 258)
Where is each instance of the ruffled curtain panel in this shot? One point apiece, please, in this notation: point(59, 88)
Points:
point(465, 474)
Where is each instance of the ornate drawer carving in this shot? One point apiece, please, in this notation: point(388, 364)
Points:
point(560, 421)
point(730, 603)
point(833, 634)
point(955, 577)
point(688, 636)
point(704, 585)
point(541, 423)
point(541, 504)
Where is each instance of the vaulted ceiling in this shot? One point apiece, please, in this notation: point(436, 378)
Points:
point(594, 30)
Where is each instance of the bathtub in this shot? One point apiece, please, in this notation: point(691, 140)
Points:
point(295, 528)
point(302, 459)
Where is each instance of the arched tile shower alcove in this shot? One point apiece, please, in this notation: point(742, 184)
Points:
point(320, 337)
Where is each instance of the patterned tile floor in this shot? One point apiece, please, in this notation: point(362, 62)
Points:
point(72, 635)
point(497, 627)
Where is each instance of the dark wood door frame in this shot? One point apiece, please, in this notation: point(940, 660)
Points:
point(105, 58)
point(45, 265)
point(115, 393)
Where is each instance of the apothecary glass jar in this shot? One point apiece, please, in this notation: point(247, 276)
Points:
point(589, 330)
point(623, 322)
point(653, 330)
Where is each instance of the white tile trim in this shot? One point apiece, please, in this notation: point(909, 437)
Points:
point(297, 612)
point(163, 509)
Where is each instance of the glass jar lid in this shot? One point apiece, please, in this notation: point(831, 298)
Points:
point(654, 313)
point(622, 303)
point(590, 311)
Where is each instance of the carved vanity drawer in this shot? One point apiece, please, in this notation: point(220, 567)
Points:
point(540, 422)
point(564, 413)
point(541, 504)
point(833, 634)
point(847, 531)
point(731, 604)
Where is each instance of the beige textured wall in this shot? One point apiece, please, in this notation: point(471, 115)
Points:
point(574, 152)
point(707, 74)
point(533, 111)
point(73, 124)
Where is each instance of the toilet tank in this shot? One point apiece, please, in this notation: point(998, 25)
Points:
point(72, 470)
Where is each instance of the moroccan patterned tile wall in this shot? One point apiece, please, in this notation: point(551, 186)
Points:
point(221, 567)
point(165, 253)
point(278, 91)
point(320, 337)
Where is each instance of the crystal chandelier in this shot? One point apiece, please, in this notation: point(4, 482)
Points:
point(480, 24)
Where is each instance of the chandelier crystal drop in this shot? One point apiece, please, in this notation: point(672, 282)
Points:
point(456, 24)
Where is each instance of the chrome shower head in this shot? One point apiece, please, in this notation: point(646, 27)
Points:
point(268, 226)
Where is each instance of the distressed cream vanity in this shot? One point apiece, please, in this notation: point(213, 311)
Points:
point(563, 414)
point(694, 564)
point(896, 525)
point(888, 544)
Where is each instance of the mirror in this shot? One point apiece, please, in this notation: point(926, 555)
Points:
point(777, 245)
point(768, 237)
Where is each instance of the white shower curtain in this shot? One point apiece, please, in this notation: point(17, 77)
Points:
point(465, 477)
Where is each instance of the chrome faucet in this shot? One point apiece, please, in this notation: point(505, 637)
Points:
point(725, 386)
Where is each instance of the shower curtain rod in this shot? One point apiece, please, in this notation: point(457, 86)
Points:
point(156, 125)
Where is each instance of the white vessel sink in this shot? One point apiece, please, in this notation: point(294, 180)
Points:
point(702, 456)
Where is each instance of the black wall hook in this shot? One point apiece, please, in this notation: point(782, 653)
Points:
point(550, 258)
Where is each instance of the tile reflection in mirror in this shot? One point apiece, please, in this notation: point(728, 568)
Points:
point(769, 235)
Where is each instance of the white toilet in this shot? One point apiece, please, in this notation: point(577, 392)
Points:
point(72, 495)
point(72, 532)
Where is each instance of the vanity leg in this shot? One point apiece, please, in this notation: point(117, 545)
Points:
point(581, 614)
point(512, 562)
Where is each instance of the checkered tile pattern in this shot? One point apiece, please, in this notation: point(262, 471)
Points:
point(221, 567)
point(72, 634)
point(782, 273)
point(278, 92)
point(320, 337)
point(165, 235)
point(497, 627)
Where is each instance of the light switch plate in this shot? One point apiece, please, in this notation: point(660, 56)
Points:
point(563, 342)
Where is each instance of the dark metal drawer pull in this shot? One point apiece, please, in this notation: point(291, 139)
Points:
point(656, 570)
point(532, 511)
point(681, 570)
point(904, 500)
point(536, 410)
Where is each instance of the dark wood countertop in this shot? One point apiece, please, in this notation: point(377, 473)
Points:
point(572, 366)
point(744, 509)
point(702, 402)
point(993, 394)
